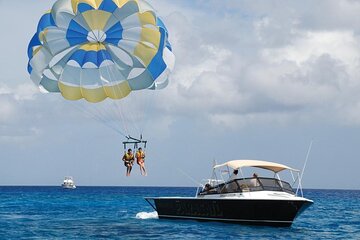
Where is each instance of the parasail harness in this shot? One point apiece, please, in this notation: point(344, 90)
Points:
point(136, 142)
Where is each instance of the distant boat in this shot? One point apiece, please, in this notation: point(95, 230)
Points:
point(249, 200)
point(68, 183)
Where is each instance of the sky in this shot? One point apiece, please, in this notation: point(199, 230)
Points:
point(253, 80)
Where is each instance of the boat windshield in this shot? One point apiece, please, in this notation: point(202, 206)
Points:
point(249, 185)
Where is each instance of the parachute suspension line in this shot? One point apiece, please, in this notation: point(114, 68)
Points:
point(98, 118)
point(119, 106)
point(128, 116)
point(107, 113)
point(148, 96)
point(118, 110)
point(140, 113)
point(124, 114)
point(133, 117)
point(100, 114)
point(121, 114)
point(133, 121)
point(102, 110)
point(101, 117)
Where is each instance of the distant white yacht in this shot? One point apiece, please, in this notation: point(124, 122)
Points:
point(68, 183)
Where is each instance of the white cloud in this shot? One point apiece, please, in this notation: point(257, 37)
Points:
point(235, 121)
point(260, 62)
point(341, 45)
point(7, 109)
point(23, 91)
point(25, 112)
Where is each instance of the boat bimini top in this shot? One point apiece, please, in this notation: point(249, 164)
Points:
point(237, 164)
point(218, 180)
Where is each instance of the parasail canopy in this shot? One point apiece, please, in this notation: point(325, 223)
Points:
point(98, 49)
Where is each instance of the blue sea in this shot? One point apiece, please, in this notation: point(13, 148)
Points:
point(122, 213)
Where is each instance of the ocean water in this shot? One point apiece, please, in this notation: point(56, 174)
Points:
point(122, 213)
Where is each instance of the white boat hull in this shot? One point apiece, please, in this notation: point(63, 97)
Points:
point(68, 186)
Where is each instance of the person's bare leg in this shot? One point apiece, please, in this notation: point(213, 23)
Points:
point(127, 170)
point(143, 171)
point(130, 168)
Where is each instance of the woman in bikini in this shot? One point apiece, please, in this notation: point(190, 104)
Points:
point(140, 159)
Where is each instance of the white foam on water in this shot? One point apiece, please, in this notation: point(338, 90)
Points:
point(147, 215)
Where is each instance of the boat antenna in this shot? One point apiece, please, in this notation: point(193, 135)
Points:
point(213, 174)
point(300, 175)
point(306, 159)
point(214, 162)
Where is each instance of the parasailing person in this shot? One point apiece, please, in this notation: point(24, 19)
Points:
point(128, 159)
point(140, 160)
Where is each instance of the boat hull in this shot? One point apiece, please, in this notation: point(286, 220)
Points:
point(68, 186)
point(246, 211)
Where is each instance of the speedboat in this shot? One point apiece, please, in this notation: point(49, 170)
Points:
point(249, 200)
point(68, 183)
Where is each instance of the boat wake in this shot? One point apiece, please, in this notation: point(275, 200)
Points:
point(147, 215)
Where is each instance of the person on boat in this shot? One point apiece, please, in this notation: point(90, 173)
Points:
point(234, 175)
point(140, 159)
point(255, 181)
point(128, 159)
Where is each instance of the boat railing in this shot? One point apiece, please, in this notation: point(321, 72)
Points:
point(248, 185)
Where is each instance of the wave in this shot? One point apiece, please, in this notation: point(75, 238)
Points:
point(147, 215)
